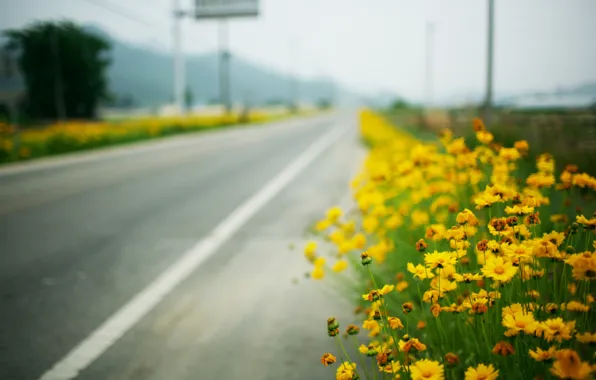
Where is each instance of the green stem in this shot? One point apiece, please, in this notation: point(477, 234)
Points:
point(360, 361)
point(345, 353)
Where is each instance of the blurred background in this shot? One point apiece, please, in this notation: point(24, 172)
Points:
point(80, 237)
point(430, 53)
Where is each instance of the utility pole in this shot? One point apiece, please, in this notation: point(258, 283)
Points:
point(58, 89)
point(178, 57)
point(488, 102)
point(429, 64)
point(224, 66)
point(292, 77)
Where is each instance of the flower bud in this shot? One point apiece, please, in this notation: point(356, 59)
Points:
point(332, 324)
point(407, 307)
point(451, 359)
point(421, 245)
point(366, 259)
point(352, 330)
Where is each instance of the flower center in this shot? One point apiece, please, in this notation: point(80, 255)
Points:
point(427, 374)
point(520, 324)
point(499, 270)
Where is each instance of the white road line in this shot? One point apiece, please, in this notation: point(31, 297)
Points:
point(120, 322)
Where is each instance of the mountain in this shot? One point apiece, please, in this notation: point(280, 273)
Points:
point(146, 77)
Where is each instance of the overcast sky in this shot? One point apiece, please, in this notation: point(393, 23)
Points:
point(370, 45)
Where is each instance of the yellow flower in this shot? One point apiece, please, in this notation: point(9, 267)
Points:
point(401, 286)
point(386, 289)
point(467, 277)
point(499, 269)
point(519, 251)
point(370, 224)
point(346, 246)
point(519, 321)
point(554, 237)
point(333, 214)
point(519, 210)
point(346, 371)
point(584, 265)
point(510, 154)
point(545, 163)
point(484, 137)
point(395, 323)
point(322, 225)
point(540, 180)
point(348, 228)
point(412, 344)
point(439, 259)
point(425, 369)
point(467, 217)
point(419, 271)
point(337, 237)
point(568, 365)
point(319, 262)
point(577, 306)
point(543, 355)
point(327, 359)
point(419, 218)
point(482, 372)
point(340, 266)
point(310, 249)
point(373, 326)
point(435, 232)
point(586, 337)
point(393, 221)
point(521, 145)
point(485, 200)
point(359, 241)
point(318, 273)
point(557, 329)
point(392, 367)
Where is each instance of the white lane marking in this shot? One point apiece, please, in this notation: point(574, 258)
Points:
point(120, 322)
point(138, 147)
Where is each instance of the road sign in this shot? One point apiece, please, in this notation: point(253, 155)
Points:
point(226, 8)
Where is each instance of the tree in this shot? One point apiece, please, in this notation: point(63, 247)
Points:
point(64, 68)
point(399, 104)
point(324, 104)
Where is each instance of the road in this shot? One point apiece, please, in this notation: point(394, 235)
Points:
point(83, 237)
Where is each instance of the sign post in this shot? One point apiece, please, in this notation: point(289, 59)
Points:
point(223, 10)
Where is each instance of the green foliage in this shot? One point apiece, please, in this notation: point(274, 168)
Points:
point(399, 104)
point(64, 68)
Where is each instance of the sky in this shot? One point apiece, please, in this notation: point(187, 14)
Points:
point(369, 45)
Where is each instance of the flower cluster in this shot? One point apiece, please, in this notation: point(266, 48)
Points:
point(473, 262)
point(80, 135)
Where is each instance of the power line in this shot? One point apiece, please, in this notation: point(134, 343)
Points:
point(121, 11)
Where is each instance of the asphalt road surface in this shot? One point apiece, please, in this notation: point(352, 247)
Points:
point(171, 259)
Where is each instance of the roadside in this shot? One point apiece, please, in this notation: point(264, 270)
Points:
point(76, 136)
point(207, 137)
